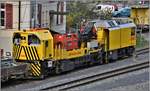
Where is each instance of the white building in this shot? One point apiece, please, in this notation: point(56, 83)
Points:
point(33, 14)
point(43, 14)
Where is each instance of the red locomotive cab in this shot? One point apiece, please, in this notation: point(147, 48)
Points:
point(71, 41)
point(58, 40)
point(66, 41)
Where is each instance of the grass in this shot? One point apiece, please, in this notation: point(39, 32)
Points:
point(141, 41)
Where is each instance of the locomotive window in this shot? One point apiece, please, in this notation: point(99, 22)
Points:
point(17, 38)
point(111, 24)
point(33, 40)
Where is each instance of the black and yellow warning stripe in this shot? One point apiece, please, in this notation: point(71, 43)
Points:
point(35, 69)
point(16, 51)
point(31, 56)
point(30, 52)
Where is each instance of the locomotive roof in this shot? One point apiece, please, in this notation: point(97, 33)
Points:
point(105, 23)
point(42, 34)
point(113, 24)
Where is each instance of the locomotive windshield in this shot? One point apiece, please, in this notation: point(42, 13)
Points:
point(17, 38)
point(33, 40)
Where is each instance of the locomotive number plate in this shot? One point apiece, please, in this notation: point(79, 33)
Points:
point(50, 63)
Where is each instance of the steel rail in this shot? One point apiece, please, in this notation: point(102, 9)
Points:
point(138, 52)
point(142, 51)
point(98, 77)
point(101, 76)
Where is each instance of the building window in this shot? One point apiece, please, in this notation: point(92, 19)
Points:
point(2, 5)
point(2, 15)
point(6, 15)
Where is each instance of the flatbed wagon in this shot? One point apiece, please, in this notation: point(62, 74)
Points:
point(12, 70)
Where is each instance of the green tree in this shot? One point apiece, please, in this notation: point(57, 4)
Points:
point(77, 12)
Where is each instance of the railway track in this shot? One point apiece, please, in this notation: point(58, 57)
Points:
point(93, 78)
point(101, 76)
point(142, 51)
point(97, 77)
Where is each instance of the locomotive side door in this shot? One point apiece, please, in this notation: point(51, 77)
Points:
point(46, 48)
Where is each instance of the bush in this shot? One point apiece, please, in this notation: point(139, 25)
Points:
point(140, 41)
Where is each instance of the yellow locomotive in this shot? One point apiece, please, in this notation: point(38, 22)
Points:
point(100, 41)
